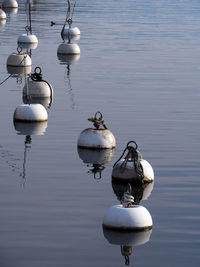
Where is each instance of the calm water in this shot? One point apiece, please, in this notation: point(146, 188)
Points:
point(139, 65)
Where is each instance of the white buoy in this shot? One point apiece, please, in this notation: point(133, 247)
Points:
point(96, 138)
point(68, 59)
point(27, 39)
point(71, 32)
point(68, 49)
point(19, 60)
point(10, 4)
point(34, 128)
point(37, 87)
point(19, 71)
point(132, 168)
point(2, 15)
point(30, 113)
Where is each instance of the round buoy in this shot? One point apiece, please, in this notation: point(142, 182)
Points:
point(71, 32)
point(68, 49)
point(19, 71)
point(132, 167)
point(68, 59)
point(31, 46)
point(34, 128)
point(140, 191)
point(37, 87)
point(27, 39)
point(127, 216)
point(97, 138)
point(2, 15)
point(19, 60)
point(30, 113)
point(10, 4)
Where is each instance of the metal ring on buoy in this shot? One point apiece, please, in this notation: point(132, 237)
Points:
point(127, 146)
point(19, 49)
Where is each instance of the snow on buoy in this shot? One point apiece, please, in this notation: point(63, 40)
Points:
point(132, 167)
point(127, 216)
point(10, 4)
point(27, 39)
point(96, 159)
point(68, 49)
point(19, 60)
point(34, 128)
point(38, 88)
point(140, 191)
point(2, 15)
point(97, 138)
point(19, 71)
point(30, 113)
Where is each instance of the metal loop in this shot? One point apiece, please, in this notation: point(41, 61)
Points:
point(101, 116)
point(69, 21)
point(27, 28)
point(128, 145)
point(19, 49)
point(38, 68)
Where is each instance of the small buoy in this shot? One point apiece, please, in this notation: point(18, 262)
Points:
point(132, 168)
point(140, 191)
point(27, 39)
point(96, 158)
point(34, 128)
point(19, 60)
point(68, 59)
point(37, 87)
point(71, 31)
point(97, 138)
point(19, 71)
point(2, 15)
point(68, 49)
point(30, 113)
point(127, 216)
point(10, 4)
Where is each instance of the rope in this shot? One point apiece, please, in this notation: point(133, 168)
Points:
point(131, 156)
point(98, 121)
point(127, 199)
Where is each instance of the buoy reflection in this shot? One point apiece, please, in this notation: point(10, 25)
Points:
point(127, 240)
point(96, 159)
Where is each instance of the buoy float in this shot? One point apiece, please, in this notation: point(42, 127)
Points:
point(19, 71)
point(127, 216)
point(71, 32)
point(30, 113)
point(37, 87)
point(97, 138)
point(2, 15)
point(140, 191)
point(132, 167)
point(27, 39)
point(19, 60)
point(10, 4)
point(34, 128)
point(96, 158)
point(68, 49)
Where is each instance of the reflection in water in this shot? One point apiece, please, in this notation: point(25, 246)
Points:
point(2, 24)
point(19, 72)
point(96, 159)
point(127, 240)
point(140, 191)
point(28, 129)
point(68, 60)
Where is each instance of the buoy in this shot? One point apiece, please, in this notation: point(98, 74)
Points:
point(19, 60)
point(30, 113)
point(127, 216)
point(132, 167)
point(19, 71)
point(68, 49)
point(71, 32)
point(140, 191)
point(30, 46)
point(27, 39)
point(37, 87)
point(96, 158)
point(34, 128)
point(2, 15)
point(10, 4)
point(97, 138)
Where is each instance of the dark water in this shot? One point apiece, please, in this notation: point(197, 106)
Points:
point(139, 65)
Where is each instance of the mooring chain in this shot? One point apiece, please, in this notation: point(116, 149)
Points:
point(98, 121)
point(127, 199)
point(37, 75)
